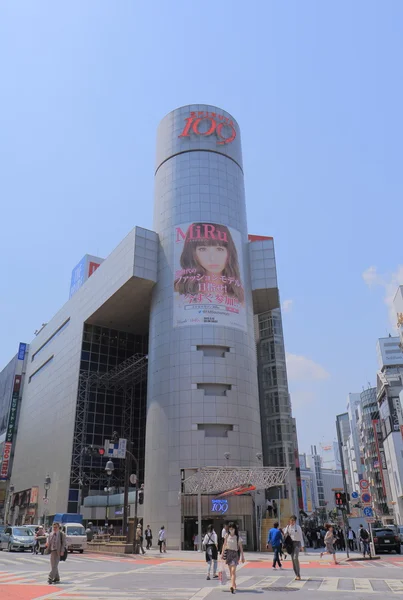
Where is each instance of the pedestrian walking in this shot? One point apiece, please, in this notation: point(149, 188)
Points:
point(341, 540)
point(294, 542)
point(275, 538)
point(231, 553)
point(149, 537)
point(351, 538)
point(89, 532)
point(140, 538)
point(275, 509)
point(162, 539)
point(210, 543)
point(195, 541)
point(330, 539)
point(56, 547)
point(269, 508)
point(364, 539)
point(224, 533)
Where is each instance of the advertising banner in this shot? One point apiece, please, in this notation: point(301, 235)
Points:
point(12, 418)
point(208, 276)
point(34, 495)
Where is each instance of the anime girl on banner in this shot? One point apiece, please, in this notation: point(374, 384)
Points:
point(208, 282)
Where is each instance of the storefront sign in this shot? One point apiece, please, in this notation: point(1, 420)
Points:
point(208, 123)
point(34, 495)
point(6, 461)
point(208, 276)
point(219, 505)
point(21, 351)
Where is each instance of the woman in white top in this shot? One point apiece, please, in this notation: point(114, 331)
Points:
point(294, 531)
point(162, 539)
point(231, 552)
point(210, 543)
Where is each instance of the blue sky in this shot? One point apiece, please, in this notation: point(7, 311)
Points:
point(317, 90)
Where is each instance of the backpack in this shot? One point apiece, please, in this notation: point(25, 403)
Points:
point(364, 534)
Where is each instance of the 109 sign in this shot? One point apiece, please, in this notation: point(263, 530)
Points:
point(220, 505)
point(206, 123)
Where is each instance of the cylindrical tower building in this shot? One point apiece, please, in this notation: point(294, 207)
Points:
point(203, 402)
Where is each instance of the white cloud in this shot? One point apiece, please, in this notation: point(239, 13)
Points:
point(389, 282)
point(302, 368)
point(302, 398)
point(287, 306)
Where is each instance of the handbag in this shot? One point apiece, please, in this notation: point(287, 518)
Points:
point(288, 545)
point(222, 575)
point(64, 557)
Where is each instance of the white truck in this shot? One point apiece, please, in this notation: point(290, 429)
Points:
point(76, 537)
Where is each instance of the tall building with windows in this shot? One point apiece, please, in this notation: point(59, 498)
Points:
point(279, 441)
point(389, 388)
point(157, 343)
point(371, 449)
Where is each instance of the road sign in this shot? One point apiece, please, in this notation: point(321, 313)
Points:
point(116, 449)
point(364, 484)
point(366, 498)
point(46, 500)
point(122, 448)
point(133, 479)
point(370, 519)
point(368, 512)
point(355, 495)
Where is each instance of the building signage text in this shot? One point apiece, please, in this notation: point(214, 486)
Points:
point(210, 123)
point(219, 505)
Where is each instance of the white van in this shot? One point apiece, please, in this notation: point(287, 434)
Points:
point(76, 537)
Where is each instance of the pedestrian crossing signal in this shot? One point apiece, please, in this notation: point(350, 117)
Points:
point(340, 499)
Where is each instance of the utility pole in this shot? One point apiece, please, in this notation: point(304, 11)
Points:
point(346, 509)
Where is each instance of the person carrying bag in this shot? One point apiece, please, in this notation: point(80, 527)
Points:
point(210, 543)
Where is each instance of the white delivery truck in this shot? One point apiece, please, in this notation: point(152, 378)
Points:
point(76, 537)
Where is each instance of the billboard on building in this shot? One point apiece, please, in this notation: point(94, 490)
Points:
point(11, 427)
point(81, 272)
point(6, 389)
point(208, 276)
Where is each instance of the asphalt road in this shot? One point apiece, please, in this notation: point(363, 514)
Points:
point(88, 576)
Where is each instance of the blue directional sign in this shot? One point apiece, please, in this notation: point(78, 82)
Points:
point(368, 512)
point(355, 495)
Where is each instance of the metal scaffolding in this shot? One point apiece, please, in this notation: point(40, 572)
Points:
point(123, 377)
point(212, 480)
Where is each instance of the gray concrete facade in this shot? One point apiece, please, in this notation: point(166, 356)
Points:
point(203, 398)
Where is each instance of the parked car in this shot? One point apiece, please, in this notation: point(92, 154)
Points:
point(386, 540)
point(16, 538)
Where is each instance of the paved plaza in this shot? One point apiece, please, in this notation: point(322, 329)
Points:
point(182, 576)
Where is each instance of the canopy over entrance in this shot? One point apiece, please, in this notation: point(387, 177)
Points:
point(211, 480)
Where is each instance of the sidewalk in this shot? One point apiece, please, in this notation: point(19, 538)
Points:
point(191, 556)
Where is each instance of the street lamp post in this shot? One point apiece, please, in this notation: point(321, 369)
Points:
point(126, 501)
point(46, 486)
point(109, 468)
point(115, 438)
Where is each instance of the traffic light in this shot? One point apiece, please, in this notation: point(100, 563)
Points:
point(141, 496)
point(94, 450)
point(340, 499)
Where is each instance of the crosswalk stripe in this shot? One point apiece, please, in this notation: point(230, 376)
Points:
point(297, 584)
point(329, 585)
point(363, 585)
point(395, 585)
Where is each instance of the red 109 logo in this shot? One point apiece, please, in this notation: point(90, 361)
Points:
point(206, 123)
